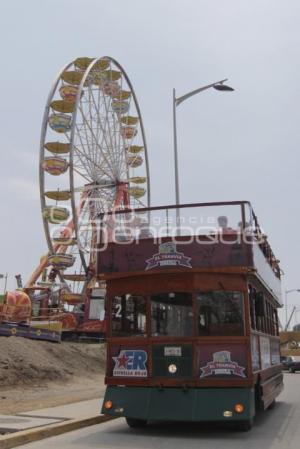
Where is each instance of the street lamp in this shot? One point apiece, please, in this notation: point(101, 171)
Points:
point(286, 312)
point(4, 276)
point(219, 85)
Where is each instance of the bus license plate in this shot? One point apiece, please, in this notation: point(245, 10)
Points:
point(173, 351)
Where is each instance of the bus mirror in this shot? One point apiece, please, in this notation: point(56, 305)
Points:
point(260, 307)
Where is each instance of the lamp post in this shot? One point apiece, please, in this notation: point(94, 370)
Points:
point(296, 316)
point(4, 276)
point(286, 311)
point(219, 85)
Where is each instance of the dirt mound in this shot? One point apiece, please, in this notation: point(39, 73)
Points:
point(30, 362)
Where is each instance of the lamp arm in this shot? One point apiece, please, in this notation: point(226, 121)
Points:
point(196, 91)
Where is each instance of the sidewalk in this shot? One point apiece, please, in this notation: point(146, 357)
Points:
point(76, 410)
point(43, 417)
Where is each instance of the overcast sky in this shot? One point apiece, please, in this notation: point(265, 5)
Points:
point(243, 145)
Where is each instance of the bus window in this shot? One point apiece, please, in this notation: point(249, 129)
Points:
point(128, 316)
point(220, 313)
point(275, 322)
point(172, 314)
point(252, 296)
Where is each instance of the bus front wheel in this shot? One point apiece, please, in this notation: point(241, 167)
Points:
point(134, 422)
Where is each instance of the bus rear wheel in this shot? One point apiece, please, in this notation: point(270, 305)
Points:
point(134, 422)
point(272, 405)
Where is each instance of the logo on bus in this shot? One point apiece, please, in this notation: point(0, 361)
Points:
point(222, 365)
point(130, 363)
point(168, 256)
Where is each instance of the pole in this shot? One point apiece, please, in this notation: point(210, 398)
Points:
point(177, 102)
point(4, 276)
point(5, 284)
point(286, 313)
point(177, 200)
point(290, 319)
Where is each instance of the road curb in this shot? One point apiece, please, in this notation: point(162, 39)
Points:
point(31, 435)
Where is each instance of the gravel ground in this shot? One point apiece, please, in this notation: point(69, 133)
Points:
point(29, 362)
point(40, 374)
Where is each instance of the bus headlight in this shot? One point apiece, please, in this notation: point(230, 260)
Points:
point(172, 368)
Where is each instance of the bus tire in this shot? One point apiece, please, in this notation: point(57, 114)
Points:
point(246, 425)
point(134, 422)
point(272, 405)
point(258, 400)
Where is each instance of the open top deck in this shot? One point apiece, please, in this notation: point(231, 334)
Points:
point(219, 236)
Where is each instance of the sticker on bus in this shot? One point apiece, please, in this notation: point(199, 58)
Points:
point(222, 365)
point(168, 255)
point(130, 363)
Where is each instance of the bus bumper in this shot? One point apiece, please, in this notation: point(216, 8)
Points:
point(178, 404)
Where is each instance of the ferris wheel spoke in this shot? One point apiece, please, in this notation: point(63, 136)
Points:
point(92, 132)
point(80, 174)
point(91, 120)
point(106, 127)
point(86, 146)
point(82, 155)
point(100, 138)
point(102, 128)
point(80, 127)
point(102, 169)
point(117, 147)
point(93, 139)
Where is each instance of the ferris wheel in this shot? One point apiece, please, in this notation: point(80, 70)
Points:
point(93, 160)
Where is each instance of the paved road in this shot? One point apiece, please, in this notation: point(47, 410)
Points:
point(275, 429)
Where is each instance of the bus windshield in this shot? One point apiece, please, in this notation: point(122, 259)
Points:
point(220, 313)
point(128, 316)
point(172, 314)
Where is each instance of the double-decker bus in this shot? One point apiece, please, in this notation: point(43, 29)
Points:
point(192, 324)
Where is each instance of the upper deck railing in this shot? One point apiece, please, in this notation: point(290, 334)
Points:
point(213, 220)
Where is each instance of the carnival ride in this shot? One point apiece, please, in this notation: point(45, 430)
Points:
point(93, 160)
point(290, 340)
point(290, 343)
